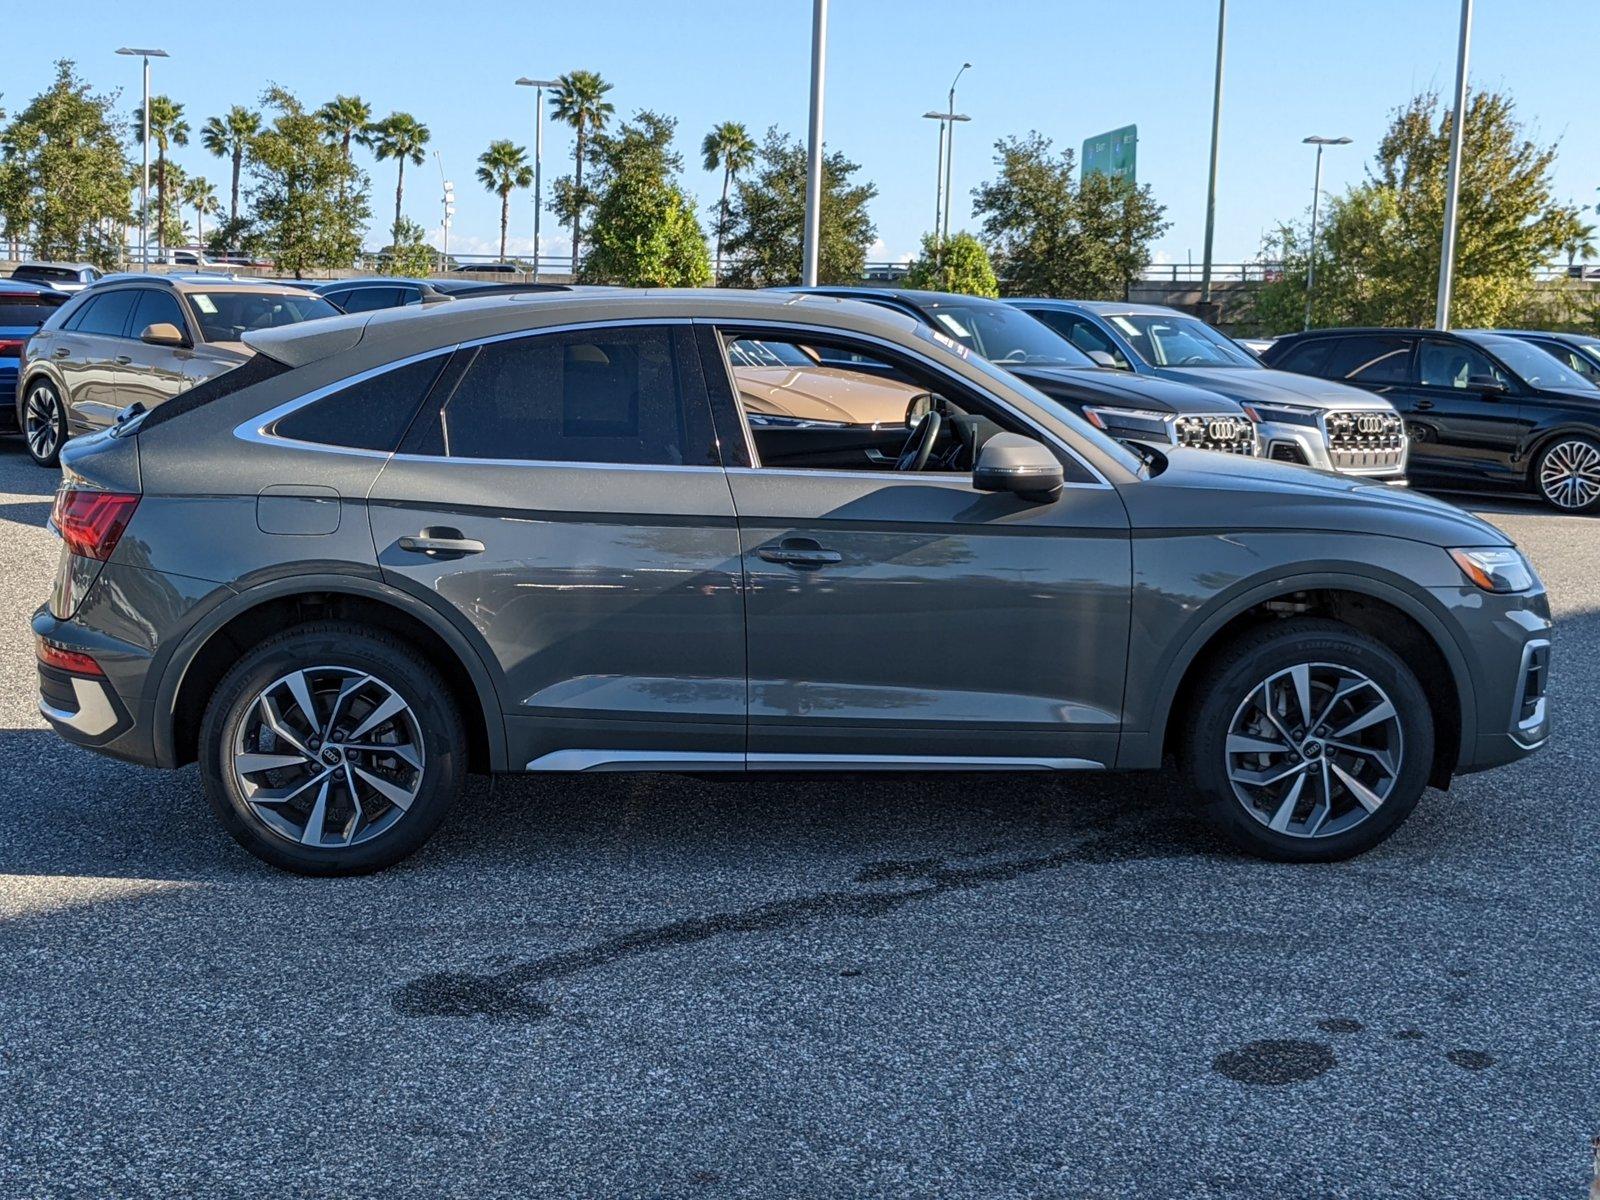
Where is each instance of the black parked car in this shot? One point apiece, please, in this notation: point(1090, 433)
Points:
point(1579, 351)
point(1482, 408)
point(391, 291)
point(1153, 412)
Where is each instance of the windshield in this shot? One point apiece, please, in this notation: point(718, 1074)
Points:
point(1164, 340)
point(227, 316)
point(1538, 368)
point(46, 274)
point(1007, 335)
point(747, 352)
point(1052, 409)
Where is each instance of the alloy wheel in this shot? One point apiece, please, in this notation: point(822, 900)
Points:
point(42, 422)
point(328, 757)
point(1314, 750)
point(1569, 474)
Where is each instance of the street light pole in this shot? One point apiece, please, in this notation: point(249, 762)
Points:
point(938, 187)
point(144, 181)
point(448, 199)
point(539, 86)
point(1316, 197)
point(1447, 252)
point(1216, 128)
point(819, 69)
point(941, 211)
point(950, 155)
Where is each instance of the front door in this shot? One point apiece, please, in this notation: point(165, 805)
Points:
point(561, 496)
point(903, 619)
point(1462, 414)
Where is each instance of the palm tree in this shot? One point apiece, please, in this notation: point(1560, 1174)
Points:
point(1577, 239)
point(229, 137)
point(168, 128)
point(501, 167)
point(347, 119)
point(579, 99)
point(729, 147)
point(399, 136)
point(200, 195)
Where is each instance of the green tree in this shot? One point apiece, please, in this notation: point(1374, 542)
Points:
point(1054, 234)
point(645, 232)
point(409, 254)
point(1574, 237)
point(399, 136)
point(348, 120)
point(171, 185)
point(64, 173)
point(1378, 252)
point(963, 267)
point(228, 136)
point(730, 149)
point(310, 201)
point(502, 168)
point(578, 100)
point(167, 129)
point(766, 223)
point(200, 195)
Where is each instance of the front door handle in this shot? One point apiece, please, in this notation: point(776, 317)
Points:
point(62, 351)
point(1424, 405)
point(440, 542)
point(799, 552)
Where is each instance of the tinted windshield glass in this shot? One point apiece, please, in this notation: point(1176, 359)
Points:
point(27, 309)
point(1004, 334)
point(227, 316)
point(1538, 368)
point(1174, 341)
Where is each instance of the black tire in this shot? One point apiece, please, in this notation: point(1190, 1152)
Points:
point(1240, 669)
point(43, 393)
point(1574, 451)
point(370, 651)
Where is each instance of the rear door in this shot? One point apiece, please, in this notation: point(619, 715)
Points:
point(562, 500)
point(92, 354)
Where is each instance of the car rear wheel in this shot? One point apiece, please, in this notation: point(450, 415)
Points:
point(44, 423)
point(1568, 475)
point(1310, 741)
point(332, 749)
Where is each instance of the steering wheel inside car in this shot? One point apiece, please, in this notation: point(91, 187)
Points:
point(919, 445)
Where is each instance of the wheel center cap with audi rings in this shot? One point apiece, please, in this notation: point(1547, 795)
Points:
point(332, 755)
point(1311, 749)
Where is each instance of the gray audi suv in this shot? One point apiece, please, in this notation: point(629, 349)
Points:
point(542, 534)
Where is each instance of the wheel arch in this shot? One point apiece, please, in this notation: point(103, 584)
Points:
point(1542, 438)
point(205, 652)
point(1366, 604)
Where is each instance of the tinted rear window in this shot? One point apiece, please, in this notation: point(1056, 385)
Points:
point(107, 314)
point(46, 274)
point(1370, 359)
point(1305, 358)
point(371, 414)
point(18, 308)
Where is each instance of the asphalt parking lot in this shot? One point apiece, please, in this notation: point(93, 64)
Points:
point(666, 987)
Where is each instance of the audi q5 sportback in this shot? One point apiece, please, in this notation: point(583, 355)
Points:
point(541, 534)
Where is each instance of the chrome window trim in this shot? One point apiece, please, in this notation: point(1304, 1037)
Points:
point(830, 331)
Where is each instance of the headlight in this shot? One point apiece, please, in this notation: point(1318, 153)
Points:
point(1285, 414)
point(1495, 568)
point(1133, 420)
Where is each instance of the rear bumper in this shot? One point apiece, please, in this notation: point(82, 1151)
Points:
point(98, 712)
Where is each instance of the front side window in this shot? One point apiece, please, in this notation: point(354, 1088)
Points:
point(1452, 365)
point(1082, 333)
point(228, 316)
point(108, 315)
point(1370, 360)
point(156, 307)
point(1178, 341)
point(1537, 366)
point(627, 395)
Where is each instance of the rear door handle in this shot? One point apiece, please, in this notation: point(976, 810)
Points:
point(799, 552)
point(440, 543)
point(123, 360)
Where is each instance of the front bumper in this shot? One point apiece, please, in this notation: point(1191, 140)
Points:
point(1309, 446)
point(1509, 648)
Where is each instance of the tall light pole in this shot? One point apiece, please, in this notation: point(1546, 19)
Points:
point(819, 73)
point(950, 153)
point(941, 211)
point(144, 182)
point(1316, 197)
point(448, 200)
point(1216, 129)
point(539, 86)
point(1458, 122)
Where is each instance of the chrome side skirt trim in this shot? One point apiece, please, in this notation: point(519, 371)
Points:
point(693, 760)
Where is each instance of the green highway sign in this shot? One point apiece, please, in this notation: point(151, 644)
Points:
point(1113, 153)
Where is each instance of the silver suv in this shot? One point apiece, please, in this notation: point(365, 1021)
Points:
point(542, 534)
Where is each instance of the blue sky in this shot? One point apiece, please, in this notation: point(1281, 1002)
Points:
point(1067, 68)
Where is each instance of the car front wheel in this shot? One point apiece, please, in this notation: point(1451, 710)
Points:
point(1568, 475)
point(332, 749)
point(1310, 741)
point(44, 422)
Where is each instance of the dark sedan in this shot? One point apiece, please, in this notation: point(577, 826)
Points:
point(1151, 412)
point(1483, 409)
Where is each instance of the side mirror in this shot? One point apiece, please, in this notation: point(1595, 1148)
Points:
point(1102, 358)
point(164, 333)
point(1484, 383)
point(1012, 463)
